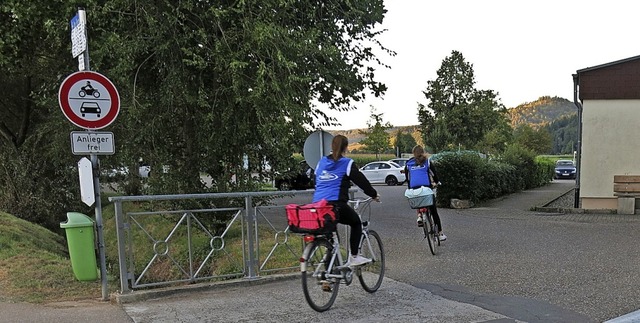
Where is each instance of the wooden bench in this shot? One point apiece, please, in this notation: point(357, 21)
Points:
point(627, 189)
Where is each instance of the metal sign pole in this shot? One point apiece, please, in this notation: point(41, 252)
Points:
point(321, 134)
point(82, 15)
point(100, 228)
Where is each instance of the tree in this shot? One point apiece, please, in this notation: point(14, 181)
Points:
point(38, 177)
point(564, 132)
point(202, 84)
point(539, 141)
point(497, 139)
point(404, 142)
point(377, 140)
point(458, 115)
point(231, 78)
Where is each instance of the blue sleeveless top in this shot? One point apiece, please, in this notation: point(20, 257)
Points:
point(418, 174)
point(329, 176)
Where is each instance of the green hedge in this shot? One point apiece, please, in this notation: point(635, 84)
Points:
point(471, 176)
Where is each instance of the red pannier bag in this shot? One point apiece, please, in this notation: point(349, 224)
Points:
point(315, 218)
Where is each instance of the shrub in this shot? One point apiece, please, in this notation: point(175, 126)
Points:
point(468, 175)
point(524, 161)
point(460, 174)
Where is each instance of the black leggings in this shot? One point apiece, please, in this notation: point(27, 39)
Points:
point(348, 216)
point(436, 216)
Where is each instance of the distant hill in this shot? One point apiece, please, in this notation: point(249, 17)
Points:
point(542, 112)
point(354, 135)
point(557, 115)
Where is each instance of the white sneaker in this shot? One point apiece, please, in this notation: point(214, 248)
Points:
point(443, 237)
point(357, 260)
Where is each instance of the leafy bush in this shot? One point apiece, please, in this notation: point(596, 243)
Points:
point(460, 174)
point(530, 173)
point(468, 175)
point(545, 170)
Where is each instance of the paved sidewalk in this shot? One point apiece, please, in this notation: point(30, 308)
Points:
point(283, 301)
point(278, 298)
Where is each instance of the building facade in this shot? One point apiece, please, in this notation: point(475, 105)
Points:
point(608, 96)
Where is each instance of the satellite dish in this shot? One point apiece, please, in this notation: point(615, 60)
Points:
point(318, 144)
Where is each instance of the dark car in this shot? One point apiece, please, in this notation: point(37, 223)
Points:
point(301, 179)
point(565, 169)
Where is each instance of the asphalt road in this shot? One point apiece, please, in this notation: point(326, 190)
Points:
point(504, 254)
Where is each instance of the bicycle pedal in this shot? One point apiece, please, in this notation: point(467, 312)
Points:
point(326, 286)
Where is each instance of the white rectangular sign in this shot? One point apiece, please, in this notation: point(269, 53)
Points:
point(92, 142)
point(78, 35)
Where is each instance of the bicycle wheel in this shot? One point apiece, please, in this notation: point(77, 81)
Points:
point(319, 290)
point(371, 274)
point(425, 227)
point(432, 235)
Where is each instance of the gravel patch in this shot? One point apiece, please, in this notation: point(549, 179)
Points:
point(564, 201)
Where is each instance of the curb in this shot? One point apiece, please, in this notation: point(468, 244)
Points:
point(573, 210)
point(562, 210)
point(142, 295)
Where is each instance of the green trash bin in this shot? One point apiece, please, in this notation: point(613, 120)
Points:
point(81, 242)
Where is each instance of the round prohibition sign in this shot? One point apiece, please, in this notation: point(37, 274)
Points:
point(89, 100)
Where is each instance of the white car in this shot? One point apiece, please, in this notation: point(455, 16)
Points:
point(143, 171)
point(384, 172)
point(400, 161)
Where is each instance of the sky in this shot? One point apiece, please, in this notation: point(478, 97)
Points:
point(520, 49)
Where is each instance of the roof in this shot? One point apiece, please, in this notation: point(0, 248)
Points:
point(622, 61)
point(618, 80)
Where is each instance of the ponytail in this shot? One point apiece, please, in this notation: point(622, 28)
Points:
point(339, 146)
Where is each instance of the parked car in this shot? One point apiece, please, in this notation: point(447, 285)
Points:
point(301, 179)
point(400, 161)
point(143, 171)
point(565, 169)
point(384, 172)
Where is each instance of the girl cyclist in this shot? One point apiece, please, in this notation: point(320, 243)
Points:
point(420, 172)
point(334, 175)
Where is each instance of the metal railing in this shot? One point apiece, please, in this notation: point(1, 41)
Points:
point(160, 246)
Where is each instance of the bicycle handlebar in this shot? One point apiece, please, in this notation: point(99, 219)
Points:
point(357, 201)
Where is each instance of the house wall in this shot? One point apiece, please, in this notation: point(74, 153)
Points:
point(610, 146)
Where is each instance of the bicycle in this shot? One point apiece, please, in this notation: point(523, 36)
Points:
point(430, 229)
point(322, 262)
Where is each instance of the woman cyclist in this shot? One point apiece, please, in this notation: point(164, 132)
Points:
point(420, 172)
point(334, 175)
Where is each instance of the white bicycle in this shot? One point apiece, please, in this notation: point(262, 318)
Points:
point(322, 262)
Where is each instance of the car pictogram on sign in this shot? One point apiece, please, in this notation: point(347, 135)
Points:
point(90, 107)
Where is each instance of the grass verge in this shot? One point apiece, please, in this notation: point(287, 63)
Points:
point(34, 265)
